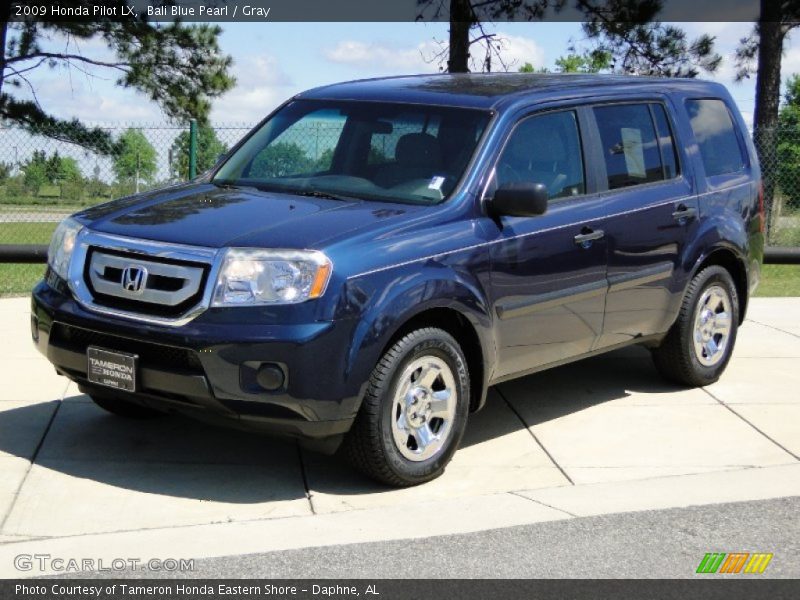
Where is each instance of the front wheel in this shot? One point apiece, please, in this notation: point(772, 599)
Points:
point(699, 345)
point(414, 412)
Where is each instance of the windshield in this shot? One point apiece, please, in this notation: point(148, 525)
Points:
point(368, 150)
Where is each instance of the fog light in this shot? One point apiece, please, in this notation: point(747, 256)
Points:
point(270, 377)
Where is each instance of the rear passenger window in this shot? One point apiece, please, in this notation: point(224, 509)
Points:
point(631, 150)
point(713, 128)
point(545, 149)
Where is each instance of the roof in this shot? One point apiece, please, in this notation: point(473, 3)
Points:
point(488, 90)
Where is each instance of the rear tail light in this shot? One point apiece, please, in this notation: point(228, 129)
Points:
point(761, 211)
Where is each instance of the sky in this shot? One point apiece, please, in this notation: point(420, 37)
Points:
point(274, 61)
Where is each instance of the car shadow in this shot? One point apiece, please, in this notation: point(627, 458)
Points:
point(179, 457)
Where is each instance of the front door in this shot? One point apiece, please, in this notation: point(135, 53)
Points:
point(548, 278)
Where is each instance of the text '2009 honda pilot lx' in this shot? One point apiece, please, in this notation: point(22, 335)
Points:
point(376, 254)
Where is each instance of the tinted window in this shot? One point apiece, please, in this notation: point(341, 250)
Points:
point(630, 148)
point(713, 128)
point(372, 150)
point(383, 144)
point(305, 146)
point(545, 149)
point(668, 157)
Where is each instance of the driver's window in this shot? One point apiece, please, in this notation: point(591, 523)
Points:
point(545, 149)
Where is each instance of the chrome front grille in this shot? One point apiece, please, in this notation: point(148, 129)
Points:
point(143, 280)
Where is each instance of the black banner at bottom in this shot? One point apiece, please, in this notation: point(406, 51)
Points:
point(400, 589)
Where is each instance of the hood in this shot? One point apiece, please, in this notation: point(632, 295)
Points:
point(206, 215)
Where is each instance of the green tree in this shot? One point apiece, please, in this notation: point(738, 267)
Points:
point(788, 142)
point(5, 170)
point(35, 170)
point(325, 160)
point(209, 147)
point(625, 29)
point(181, 67)
point(529, 68)
point(629, 34)
point(595, 61)
point(135, 159)
point(280, 160)
point(59, 169)
point(55, 170)
point(760, 54)
point(465, 16)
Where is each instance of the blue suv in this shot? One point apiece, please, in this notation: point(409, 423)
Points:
point(374, 255)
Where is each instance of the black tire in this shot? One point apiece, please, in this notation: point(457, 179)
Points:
point(370, 445)
point(676, 358)
point(123, 408)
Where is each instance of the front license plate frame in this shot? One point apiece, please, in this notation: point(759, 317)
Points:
point(111, 369)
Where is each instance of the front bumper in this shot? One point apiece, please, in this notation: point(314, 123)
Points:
point(199, 369)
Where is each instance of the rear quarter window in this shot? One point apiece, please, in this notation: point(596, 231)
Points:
point(714, 130)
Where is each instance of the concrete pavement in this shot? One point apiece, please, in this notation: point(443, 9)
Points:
point(601, 436)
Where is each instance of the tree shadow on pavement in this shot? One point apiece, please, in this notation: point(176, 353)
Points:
point(169, 455)
point(179, 457)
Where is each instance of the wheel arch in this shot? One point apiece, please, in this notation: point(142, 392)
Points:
point(730, 260)
point(463, 330)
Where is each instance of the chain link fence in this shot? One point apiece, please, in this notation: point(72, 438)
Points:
point(779, 152)
point(43, 179)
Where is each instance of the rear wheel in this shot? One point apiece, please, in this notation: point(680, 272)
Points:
point(699, 345)
point(123, 408)
point(414, 412)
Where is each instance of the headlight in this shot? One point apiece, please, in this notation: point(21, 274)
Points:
point(251, 276)
point(61, 246)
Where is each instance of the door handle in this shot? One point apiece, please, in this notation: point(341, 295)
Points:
point(684, 213)
point(588, 235)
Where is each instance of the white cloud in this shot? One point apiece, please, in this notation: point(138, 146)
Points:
point(516, 50)
point(382, 58)
point(385, 57)
point(261, 85)
point(69, 93)
point(791, 60)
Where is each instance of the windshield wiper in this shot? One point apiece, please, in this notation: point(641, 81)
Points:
point(320, 194)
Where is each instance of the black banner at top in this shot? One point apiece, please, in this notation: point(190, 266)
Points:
point(367, 10)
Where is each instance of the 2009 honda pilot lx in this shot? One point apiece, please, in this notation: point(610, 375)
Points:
point(373, 256)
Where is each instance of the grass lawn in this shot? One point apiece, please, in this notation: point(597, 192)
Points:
point(20, 279)
point(779, 280)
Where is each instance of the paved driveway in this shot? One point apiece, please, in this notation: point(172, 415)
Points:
point(600, 436)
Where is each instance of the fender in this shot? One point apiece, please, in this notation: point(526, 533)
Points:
point(397, 296)
point(708, 240)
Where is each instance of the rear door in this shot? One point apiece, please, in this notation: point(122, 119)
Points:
point(652, 211)
point(548, 277)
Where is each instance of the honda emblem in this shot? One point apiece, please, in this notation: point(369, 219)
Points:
point(134, 279)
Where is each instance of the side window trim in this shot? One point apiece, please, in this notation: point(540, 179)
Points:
point(658, 141)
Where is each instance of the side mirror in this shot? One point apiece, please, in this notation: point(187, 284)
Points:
point(521, 199)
